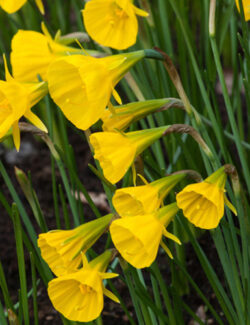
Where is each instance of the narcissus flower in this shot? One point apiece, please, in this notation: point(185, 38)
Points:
point(16, 100)
point(79, 295)
point(138, 238)
point(32, 53)
point(11, 6)
point(203, 203)
point(126, 114)
point(61, 249)
point(82, 85)
point(112, 23)
point(139, 200)
point(117, 151)
point(246, 8)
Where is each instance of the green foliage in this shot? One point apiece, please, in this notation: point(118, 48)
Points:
point(180, 28)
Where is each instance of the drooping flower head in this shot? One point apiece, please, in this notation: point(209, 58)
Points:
point(246, 8)
point(138, 238)
point(32, 53)
point(82, 85)
point(129, 113)
point(61, 249)
point(16, 100)
point(144, 199)
point(203, 203)
point(79, 295)
point(112, 23)
point(117, 151)
point(11, 6)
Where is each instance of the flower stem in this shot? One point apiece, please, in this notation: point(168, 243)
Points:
point(153, 54)
point(165, 294)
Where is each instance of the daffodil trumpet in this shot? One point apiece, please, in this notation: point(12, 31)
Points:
point(203, 203)
point(124, 115)
point(11, 6)
point(137, 238)
point(82, 85)
point(144, 199)
point(32, 53)
point(112, 23)
point(116, 151)
point(79, 295)
point(16, 100)
point(61, 249)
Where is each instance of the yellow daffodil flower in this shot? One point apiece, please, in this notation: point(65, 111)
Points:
point(129, 113)
point(139, 200)
point(79, 295)
point(61, 249)
point(16, 100)
point(32, 52)
point(117, 151)
point(112, 23)
point(138, 238)
point(82, 85)
point(246, 8)
point(203, 203)
point(11, 6)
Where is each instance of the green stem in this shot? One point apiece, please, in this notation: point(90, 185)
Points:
point(34, 287)
point(165, 294)
point(133, 296)
point(153, 54)
point(229, 108)
point(157, 296)
point(203, 91)
point(21, 264)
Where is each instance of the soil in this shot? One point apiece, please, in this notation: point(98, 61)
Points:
point(34, 158)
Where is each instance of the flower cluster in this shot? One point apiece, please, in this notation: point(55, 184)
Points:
point(82, 84)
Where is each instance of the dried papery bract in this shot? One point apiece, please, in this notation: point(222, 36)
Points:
point(116, 151)
point(203, 203)
point(61, 249)
point(184, 128)
point(138, 238)
point(82, 85)
point(112, 23)
point(144, 199)
point(79, 295)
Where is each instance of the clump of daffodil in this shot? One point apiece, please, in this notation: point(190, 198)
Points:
point(16, 100)
point(124, 115)
point(61, 249)
point(138, 238)
point(112, 23)
point(116, 151)
point(203, 203)
point(139, 200)
point(11, 6)
point(32, 52)
point(79, 295)
point(246, 8)
point(82, 85)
